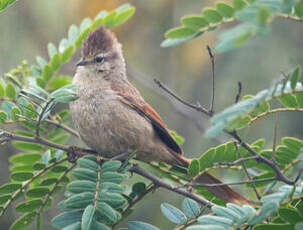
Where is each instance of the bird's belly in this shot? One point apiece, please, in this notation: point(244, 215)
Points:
point(110, 127)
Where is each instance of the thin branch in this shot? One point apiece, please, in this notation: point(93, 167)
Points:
point(278, 110)
point(243, 159)
point(239, 92)
point(212, 59)
point(63, 126)
point(161, 183)
point(246, 172)
point(232, 183)
point(193, 106)
point(275, 138)
point(41, 115)
point(27, 183)
point(291, 17)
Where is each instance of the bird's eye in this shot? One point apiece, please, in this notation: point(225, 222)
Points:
point(99, 59)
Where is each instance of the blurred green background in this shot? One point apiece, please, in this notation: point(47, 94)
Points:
point(28, 26)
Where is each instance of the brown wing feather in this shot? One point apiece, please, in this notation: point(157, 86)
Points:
point(132, 98)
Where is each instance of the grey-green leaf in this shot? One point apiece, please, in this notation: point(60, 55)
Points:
point(173, 214)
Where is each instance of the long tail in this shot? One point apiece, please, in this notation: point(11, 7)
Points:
point(225, 193)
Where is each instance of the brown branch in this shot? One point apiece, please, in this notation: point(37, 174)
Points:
point(232, 183)
point(246, 172)
point(212, 100)
point(157, 181)
point(278, 110)
point(63, 126)
point(243, 159)
point(239, 92)
point(193, 106)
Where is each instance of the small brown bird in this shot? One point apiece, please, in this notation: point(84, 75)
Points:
point(113, 118)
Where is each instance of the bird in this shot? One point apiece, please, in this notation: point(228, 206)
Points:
point(113, 118)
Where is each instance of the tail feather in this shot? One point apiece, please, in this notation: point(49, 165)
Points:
point(224, 192)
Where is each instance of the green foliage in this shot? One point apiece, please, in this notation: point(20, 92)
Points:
point(96, 200)
point(255, 17)
point(5, 3)
point(288, 93)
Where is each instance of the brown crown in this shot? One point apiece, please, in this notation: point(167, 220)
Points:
point(98, 41)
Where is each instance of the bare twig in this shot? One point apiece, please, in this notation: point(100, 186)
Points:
point(193, 106)
point(212, 100)
point(246, 172)
point(157, 181)
point(232, 183)
point(239, 92)
point(275, 138)
point(63, 126)
point(243, 159)
point(278, 110)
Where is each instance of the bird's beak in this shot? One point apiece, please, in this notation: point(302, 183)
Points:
point(81, 62)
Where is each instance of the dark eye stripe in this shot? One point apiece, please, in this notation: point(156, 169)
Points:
point(99, 59)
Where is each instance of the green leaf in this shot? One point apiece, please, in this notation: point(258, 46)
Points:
point(123, 16)
point(48, 181)
point(67, 218)
point(9, 188)
point(27, 146)
point(191, 208)
point(179, 32)
point(193, 168)
point(225, 10)
point(216, 220)
point(180, 140)
point(115, 200)
point(5, 198)
point(29, 206)
point(206, 227)
point(59, 82)
point(81, 200)
point(294, 77)
point(139, 225)
point(47, 72)
point(288, 100)
point(73, 33)
point(80, 186)
point(55, 63)
point(299, 9)
point(24, 221)
point(37, 192)
point(2, 90)
point(89, 164)
point(273, 227)
point(109, 20)
point(225, 212)
point(113, 177)
point(299, 98)
point(15, 113)
point(52, 50)
point(39, 166)
point(239, 4)
point(211, 15)
point(85, 174)
point(100, 226)
point(25, 158)
point(10, 91)
point(3, 116)
point(111, 166)
point(21, 176)
point(67, 54)
point(59, 169)
point(74, 226)
point(290, 215)
point(194, 22)
point(107, 211)
point(41, 61)
point(88, 217)
point(173, 214)
point(176, 41)
point(263, 15)
point(139, 188)
point(299, 226)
